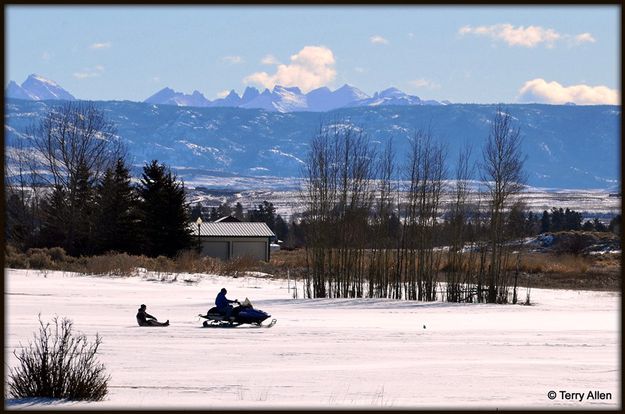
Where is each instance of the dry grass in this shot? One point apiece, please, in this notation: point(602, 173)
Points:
point(550, 263)
point(549, 270)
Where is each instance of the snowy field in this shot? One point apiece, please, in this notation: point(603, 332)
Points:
point(340, 353)
point(283, 193)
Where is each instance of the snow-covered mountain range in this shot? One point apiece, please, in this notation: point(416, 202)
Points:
point(279, 99)
point(292, 99)
point(566, 146)
point(37, 88)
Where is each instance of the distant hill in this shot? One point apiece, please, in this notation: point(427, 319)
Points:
point(567, 146)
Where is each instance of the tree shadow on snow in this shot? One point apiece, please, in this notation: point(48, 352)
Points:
point(364, 303)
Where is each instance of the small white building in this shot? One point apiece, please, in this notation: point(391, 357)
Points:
point(228, 240)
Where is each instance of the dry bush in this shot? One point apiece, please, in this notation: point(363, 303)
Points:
point(118, 264)
point(209, 265)
point(14, 259)
point(188, 261)
point(58, 364)
point(39, 260)
point(238, 265)
point(163, 264)
point(58, 254)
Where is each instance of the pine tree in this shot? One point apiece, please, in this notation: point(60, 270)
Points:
point(545, 222)
point(196, 212)
point(599, 226)
point(82, 200)
point(117, 215)
point(164, 221)
point(615, 224)
point(54, 218)
point(282, 229)
point(224, 210)
point(238, 211)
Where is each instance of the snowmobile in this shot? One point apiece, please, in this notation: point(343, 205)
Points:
point(242, 314)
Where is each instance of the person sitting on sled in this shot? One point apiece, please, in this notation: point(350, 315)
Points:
point(145, 319)
point(223, 304)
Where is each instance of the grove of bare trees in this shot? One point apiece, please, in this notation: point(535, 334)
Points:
point(377, 226)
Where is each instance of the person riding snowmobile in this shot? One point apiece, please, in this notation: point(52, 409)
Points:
point(223, 304)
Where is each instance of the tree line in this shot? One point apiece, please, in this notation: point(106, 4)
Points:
point(68, 184)
point(373, 225)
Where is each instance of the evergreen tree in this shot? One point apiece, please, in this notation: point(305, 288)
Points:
point(615, 224)
point(117, 215)
point(224, 210)
point(54, 218)
point(214, 215)
point(82, 200)
point(196, 212)
point(282, 228)
point(163, 210)
point(588, 226)
point(572, 220)
point(557, 219)
point(265, 213)
point(545, 222)
point(516, 221)
point(238, 211)
point(532, 225)
point(599, 226)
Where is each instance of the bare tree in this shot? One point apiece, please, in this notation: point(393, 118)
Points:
point(458, 263)
point(73, 144)
point(503, 175)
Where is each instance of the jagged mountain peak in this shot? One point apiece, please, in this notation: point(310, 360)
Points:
point(37, 88)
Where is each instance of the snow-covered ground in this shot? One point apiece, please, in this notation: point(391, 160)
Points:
point(284, 194)
point(325, 353)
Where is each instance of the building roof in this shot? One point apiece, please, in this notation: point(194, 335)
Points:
point(232, 229)
point(227, 219)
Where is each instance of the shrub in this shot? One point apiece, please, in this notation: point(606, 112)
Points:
point(120, 264)
point(187, 261)
point(58, 364)
point(239, 264)
point(39, 260)
point(14, 259)
point(58, 254)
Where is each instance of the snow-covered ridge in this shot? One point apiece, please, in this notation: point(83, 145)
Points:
point(279, 99)
point(292, 99)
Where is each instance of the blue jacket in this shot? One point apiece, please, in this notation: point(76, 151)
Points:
point(221, 301)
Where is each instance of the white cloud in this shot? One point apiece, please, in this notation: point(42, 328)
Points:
point(103, 45)
point(585, 38)
point(223, 93)
point(232, 59)
point(539, 90)
point(424, 83)
point(90, 72)
point(269, 60)
point(46, 56)
point(530, 36)
point(310, 68)
point(155, 79)
point(359, 69)
point(378, 40)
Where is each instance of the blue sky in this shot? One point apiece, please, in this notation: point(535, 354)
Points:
point(480, 54)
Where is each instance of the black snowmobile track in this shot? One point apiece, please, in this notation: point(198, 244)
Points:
point(234, 325)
